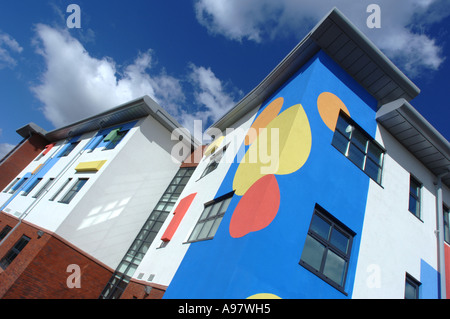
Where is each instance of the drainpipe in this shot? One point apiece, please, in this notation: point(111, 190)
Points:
point(440, 232)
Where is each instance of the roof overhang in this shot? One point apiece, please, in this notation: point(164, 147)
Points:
point(30, 129)
point(417, 135)
point(349, 48)
point(134, 110)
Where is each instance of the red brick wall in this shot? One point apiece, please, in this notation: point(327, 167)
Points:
point(136, 289)
point(40, 270)
point(24, 154)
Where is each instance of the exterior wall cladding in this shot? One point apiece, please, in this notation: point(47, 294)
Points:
point(346, 209)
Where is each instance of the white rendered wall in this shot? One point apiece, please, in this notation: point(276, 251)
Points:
point(164, 262)
point(107, 219)
point(394, 241)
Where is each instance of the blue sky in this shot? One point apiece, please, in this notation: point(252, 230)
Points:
point(197, 58)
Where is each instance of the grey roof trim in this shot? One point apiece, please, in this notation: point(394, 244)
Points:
point(417, 135)
point(388, 85)
point(130, 111)
point(31, 128)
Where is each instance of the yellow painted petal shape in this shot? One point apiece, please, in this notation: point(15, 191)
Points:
point(281, 148)
point(329, 106)
point(264, 296)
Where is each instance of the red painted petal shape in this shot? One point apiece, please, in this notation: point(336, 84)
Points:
point(257, 207)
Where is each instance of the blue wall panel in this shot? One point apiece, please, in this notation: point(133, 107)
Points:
point(267, 261)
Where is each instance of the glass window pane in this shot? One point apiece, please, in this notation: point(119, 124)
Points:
point(214, 227)
point(339, 240)
point(320, 227)
point(344, 127)
point(214, 209)
point(410, 290)
point(356, 156)
point(414, 206)
point(415, 187)
point(205, 212)
point(375, 153)
point(225, 204)
point(359, 140)
point(334, 268)
point(313, 252)
point(373, 170)
point(340, 142)
point(195, 232)
point(206, 228)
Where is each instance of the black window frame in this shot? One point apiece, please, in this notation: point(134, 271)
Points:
point(417, 198)
point(214, 161)
point(413, 282)
point(73, 191)
point(446, 215)
point(9, 257)
point(334, 224)
point(44, 188)
point(352, 144)
point(205, 218)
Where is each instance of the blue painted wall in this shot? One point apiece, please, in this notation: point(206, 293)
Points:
point(267, 261)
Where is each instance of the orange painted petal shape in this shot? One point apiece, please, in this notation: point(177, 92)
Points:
point(257, 207)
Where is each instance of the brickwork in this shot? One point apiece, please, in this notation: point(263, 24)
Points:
point(136, 290)
point(40, 270)
point(22, 156)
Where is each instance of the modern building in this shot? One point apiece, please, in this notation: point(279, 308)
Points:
point(323, 182)
point(79, 204)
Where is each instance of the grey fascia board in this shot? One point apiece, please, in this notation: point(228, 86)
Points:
point(304, 50)
point(416, 120)
point(373, 52)
point(31, 128)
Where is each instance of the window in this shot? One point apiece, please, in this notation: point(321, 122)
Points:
point(11, 185)
point(116, 140)
point(13, 252)
point(411, 287)
point(69, 149)
point(96, 140)
point(44, 188)
point(446, 212)
point(74, 190)
point(31, 187)
point(210, 219)
point(214, 161)
point(18, 185)
point(60, 190)
point(326, 252)
point(359, 147)
point(414, 196)
point(4, 232)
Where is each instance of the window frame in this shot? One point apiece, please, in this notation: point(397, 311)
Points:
point(417, 198)
point(414, 283)
point(63, 186)
point(218, 215)
point(446, 217)
point(214, 161)
point(5, 231)
point(11, 185)
point(12, 254)
point(73, 191)
point(46, 186)
point(369, 141)
point(334, 224)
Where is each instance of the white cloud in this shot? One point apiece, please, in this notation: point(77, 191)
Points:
point(211, 96)
point(5, 148)
point(76, 85)
point(8, 46)
point(263, 20)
